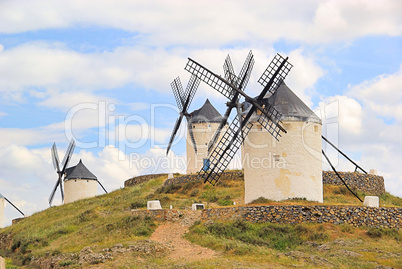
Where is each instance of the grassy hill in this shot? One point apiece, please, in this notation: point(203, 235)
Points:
point(71, 235)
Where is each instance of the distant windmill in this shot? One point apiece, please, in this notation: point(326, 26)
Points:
point(183, 100)
point(79, 182)
point(234, 136)
point(60, 168)
point(2, 204)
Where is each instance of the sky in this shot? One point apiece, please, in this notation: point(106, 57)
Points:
point(100, 72)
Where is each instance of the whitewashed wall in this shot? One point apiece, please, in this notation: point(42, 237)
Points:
point(290, 168)
point(76, 189)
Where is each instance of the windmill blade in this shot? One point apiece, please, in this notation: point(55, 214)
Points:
point(219, 129)
point(190, 131)
point(53, 192)
point(55, 157)
point(191, 88)
point(224, 151)
point(67, 157)
point(178, 92)
point(14, 206)
point(275, 73)
point(272, 124)
point(245, 72)
point(59, 182)
point(176, 127)
point(241, 83)
point(229, 71)
point(218, 83)
point(61, 186)
point(102, 186)
point(210, 78)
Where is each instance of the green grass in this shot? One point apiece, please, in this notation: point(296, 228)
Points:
point(106, 220)
point(241, 236)
point(278, 245)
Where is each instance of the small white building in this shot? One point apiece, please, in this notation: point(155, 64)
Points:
point(2, 205)
point(290, 167)
point(79, 183)
point(204, 122)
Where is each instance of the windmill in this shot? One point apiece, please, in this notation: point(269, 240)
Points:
point(2, 200)
point(183, 100)
point(241, 83)
point(60, 168)
point(237, 131)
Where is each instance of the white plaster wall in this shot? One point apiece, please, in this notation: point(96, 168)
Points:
point(290, 168)
point(203, 133)
point(2, 204)
point(76, 189)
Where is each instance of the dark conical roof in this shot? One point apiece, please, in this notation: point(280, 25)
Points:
point(79, 172)
point(291, 106)
point(207, 113)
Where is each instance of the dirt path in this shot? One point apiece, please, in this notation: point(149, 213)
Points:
point(171, 234)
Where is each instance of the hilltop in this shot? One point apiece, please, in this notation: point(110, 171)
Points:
point(103, 232)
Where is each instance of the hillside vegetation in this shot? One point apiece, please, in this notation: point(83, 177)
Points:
point(70, 235)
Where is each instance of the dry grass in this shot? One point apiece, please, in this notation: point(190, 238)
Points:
point(105, 220)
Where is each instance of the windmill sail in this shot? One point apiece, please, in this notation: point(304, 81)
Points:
point(234, 136)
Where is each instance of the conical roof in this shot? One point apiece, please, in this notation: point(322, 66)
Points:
point(79, 172)
point(207, 113)
point(291, 106)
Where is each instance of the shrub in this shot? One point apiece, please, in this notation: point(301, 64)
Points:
point(138, 204)
point(261, 200)
point(194, 192)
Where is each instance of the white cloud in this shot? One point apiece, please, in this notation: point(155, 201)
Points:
point(209, 22)
point(363, 132)
point(382, 95)
point(346, 110)
point(338, 20)
point(55, 68)
point(304, 75)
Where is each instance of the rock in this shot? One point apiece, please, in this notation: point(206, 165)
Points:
point(350, 253)
point(86, 250)
point(323, 247)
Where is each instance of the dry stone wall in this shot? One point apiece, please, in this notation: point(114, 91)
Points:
point(390, 217)
point(387, 217)
point(369, 184)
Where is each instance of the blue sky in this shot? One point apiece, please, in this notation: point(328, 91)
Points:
point(100, 71)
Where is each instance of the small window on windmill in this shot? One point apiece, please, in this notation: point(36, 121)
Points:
point(286, 126)
point(206, 165)
point(316, 128)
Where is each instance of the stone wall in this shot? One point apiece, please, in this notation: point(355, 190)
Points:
point(390, 217)
point(369, 184)
point(140, 179)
